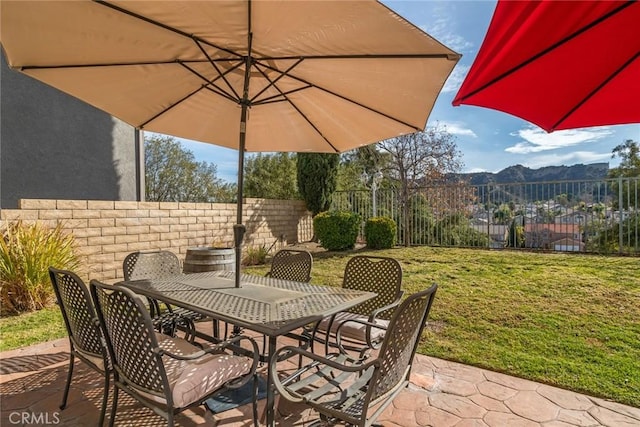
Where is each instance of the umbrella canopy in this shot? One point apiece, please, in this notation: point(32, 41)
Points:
point(559, 64)
point(299, 76)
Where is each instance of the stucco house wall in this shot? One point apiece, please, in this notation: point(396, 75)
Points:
point(54, 146)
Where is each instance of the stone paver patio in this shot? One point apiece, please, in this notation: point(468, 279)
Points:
point(441, 394)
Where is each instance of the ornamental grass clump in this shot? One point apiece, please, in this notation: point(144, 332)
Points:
point(26, 253)
point(255, 255)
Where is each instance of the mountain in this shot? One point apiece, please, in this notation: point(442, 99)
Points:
point(518, 183)
point(519, 173)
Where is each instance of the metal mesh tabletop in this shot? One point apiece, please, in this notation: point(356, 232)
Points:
point(264, 304)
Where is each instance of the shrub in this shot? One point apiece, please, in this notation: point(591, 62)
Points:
point(255, 255)
point(26, 253)
point(336, 230)
point(380, 232)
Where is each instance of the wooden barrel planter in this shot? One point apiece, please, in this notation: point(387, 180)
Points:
point(209, 259)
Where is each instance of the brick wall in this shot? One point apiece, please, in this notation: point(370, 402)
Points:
point(106, 231)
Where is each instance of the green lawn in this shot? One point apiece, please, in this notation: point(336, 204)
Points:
point(568, 320)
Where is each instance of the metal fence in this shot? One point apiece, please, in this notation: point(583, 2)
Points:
point(587, 216)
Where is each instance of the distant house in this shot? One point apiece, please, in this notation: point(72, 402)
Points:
point(54, 146)
point(568, 245)
point(571, 217)
point(544, 235)
point(498, 234)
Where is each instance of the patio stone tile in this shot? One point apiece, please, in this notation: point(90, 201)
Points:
point(403, 417)
point(455, 386)
point(436, 417)
point(610, 418)
point(531, 405)
point(511, 382)
point(495, 390)
point(474, 422)
point(489, 403)
point(564, 398)
point(463, 372)
point(577, 418)
point(557, 424)
point(457, 405)
point(411, 400)
point(426, 382)
point(500, 419)
point(618, 407)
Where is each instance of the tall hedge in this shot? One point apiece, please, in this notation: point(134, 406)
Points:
point(317, 179)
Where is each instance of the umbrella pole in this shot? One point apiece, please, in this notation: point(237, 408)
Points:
point(239, 229)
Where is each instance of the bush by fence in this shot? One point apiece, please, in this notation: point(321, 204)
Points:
point(336, 230)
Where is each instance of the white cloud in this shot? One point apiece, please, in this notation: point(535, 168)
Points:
point(458, 129)
point(456, 78)
point(441, 30)
point(537, 140)
point(583, 157)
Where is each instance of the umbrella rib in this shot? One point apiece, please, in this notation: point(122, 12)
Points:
point(353, 101)
point(451, 57)
point(220, 91)
point(595, 90)
point(215, 67)
point(113, 64)
point(273, 82)
point(278, 98)
point(181, 100)
point(543, 52)
point(164, 26)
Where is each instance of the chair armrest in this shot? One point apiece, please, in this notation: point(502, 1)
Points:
point(317, 363)
point(232, 342)
point(395, 303)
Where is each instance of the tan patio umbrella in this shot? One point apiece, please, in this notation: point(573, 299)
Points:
point(296, 76)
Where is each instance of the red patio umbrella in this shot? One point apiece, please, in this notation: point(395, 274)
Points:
point(560, 64)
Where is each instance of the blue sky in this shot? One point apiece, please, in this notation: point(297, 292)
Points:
point(488, 140)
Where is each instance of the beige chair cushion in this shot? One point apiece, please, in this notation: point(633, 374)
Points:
point(190, 380)
point(352, 330)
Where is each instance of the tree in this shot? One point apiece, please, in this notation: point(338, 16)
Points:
point(173, 175)
point(317, 179)
point(271, 176)
point(516, 236)
point(368, 160)
point(629, 154)
point(419, 158)
point(503, 214)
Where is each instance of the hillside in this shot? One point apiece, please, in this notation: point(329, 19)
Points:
point(519, 173)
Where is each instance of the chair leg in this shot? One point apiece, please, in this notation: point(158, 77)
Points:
point(255, 400)
point(114, 405)
point(69, 375)
point(105, 398)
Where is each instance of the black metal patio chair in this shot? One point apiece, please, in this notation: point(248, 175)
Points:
point(290, 264)
point(356, 390)
point(381, 275)
point(86, 341)
point(164, 373)
point(157, 265)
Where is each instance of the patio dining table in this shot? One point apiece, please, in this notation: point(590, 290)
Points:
point(266, 305)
